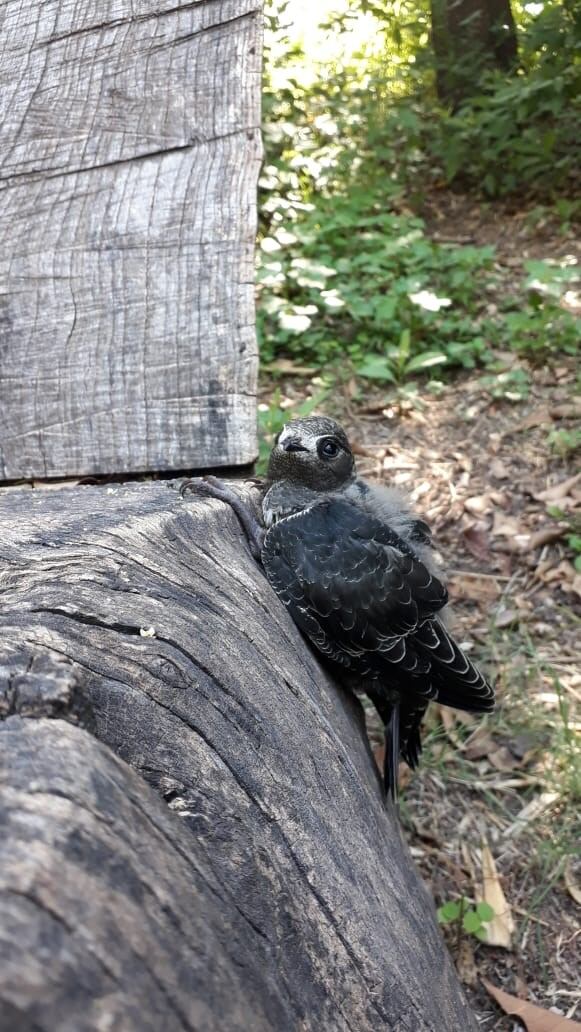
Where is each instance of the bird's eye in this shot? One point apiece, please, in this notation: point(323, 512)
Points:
point(328, 449)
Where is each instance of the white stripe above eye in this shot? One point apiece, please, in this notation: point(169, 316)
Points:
point(308, 441)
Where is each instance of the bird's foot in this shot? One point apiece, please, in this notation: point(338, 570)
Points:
point(212, 487)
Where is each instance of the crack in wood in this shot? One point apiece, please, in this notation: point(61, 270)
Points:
point(11, 179)
point(116, 23)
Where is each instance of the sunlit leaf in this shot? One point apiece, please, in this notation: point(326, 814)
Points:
point(430, 301)
point(425, 361)
point(293, 323)
point(270, 245)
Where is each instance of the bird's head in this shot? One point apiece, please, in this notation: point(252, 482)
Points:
point(313, 452)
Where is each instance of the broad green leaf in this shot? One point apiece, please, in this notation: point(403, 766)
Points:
point(386, 307)
point(425, 360)
point(471, 922)
point(449, 912)
point(485, 911)
point(376, 367)
point(404, 343)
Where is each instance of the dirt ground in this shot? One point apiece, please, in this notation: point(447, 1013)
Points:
point(505, 790)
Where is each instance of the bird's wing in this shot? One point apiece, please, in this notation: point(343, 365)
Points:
point(356, 589)
point(457, 681)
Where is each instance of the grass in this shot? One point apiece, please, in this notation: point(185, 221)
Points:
point(555, 765)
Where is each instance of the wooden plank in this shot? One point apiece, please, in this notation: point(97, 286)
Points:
point(200, 681)
point(129, 155)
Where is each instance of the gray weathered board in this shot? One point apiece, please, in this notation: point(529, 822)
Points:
point(129, 156)
point(192, 829)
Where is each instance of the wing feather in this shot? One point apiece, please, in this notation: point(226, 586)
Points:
point(367, 602)
point(355, 589)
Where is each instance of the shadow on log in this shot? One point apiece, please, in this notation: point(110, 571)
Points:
point(192, 831)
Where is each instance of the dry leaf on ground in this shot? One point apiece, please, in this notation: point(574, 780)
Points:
point(482, 588)
point(505, 526)
point(500, 930)
point(502, 759)
point(558, 491)
point(289, 368)
point(499, 470)
point(465, 963)
point(476, 541)
point(478, 505)
point(536, 1019)
point(368, 451)
point(572, 410)
point(572, 887)
point(530, 812)
point(566, 575)
point(538, 417)
point(479, 745)
point(506, 617)
point(545, 536)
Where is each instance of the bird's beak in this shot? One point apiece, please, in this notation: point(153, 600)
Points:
point(291, 444)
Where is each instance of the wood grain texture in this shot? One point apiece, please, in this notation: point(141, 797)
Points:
point(197, 679)
point(129, 156)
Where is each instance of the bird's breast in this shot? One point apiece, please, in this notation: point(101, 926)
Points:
point(284, 499)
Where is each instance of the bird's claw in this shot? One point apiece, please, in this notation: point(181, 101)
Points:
point(210, 486)
point(213, 487)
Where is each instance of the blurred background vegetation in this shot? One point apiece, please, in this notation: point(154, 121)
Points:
point(373, 109)
point(418, 279)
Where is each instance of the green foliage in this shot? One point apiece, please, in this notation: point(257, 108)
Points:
point(568, 748)
point(513, 133)
point(508, 384)
point(521, 134)
point(574, 542)
point(565, 443)
point(573, 520)
point(471, 919)
point(352, 279)
point(346, 271)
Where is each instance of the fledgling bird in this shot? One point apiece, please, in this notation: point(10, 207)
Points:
point(354, 566)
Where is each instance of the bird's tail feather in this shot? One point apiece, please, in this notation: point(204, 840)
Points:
point(391, 758)
point(457, 681)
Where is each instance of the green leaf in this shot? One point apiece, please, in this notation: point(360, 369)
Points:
point(308, 406)
point(386, 308)
point(485, 911)
point(449, 912)
point(404, 343)
point(471, 922)
point(425, 361)
point(376, 367)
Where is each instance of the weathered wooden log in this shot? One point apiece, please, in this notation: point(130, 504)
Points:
point(129, 156)
point(258, 881)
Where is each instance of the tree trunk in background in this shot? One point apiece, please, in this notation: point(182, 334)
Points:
point(192, 829)
point(469, 37)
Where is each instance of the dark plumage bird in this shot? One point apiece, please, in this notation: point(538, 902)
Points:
point(355, 569)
